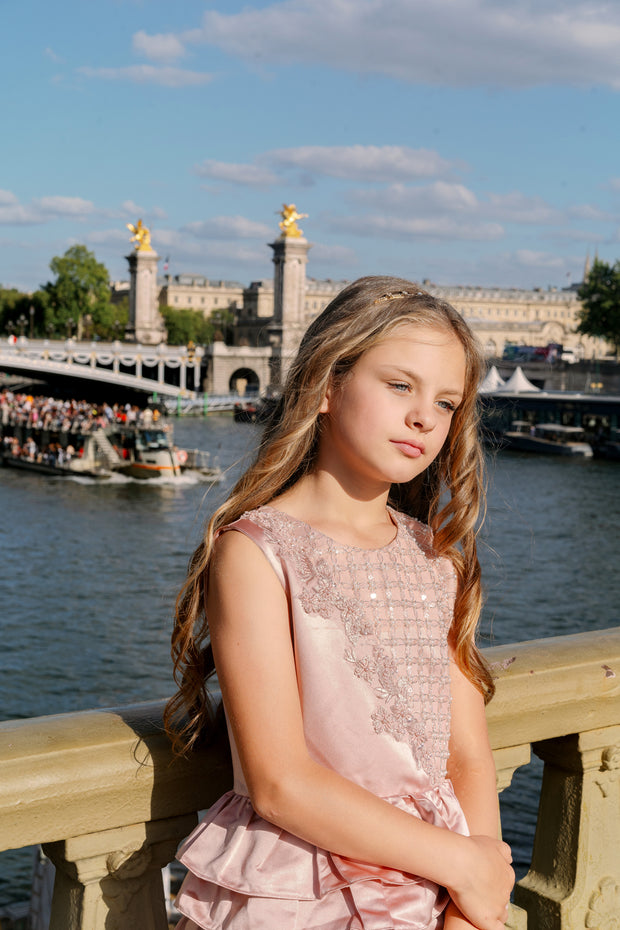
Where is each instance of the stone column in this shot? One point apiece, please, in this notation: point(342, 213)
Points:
point(290, 257)
point(146, 324)
point(574, 878)
point(112, 880)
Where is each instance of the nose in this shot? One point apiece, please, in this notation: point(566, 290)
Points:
point(421, 416)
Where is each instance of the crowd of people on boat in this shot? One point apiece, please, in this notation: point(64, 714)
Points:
point(24, 418)
point(49, 413)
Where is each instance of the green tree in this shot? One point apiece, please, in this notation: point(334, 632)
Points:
point(600, 296)
point(15, 309)
point(81, 287)
point(185, 325)
point(111, 321)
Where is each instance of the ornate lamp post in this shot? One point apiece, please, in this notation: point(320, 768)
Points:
point(10, 327)
point(31, 312)
point(50, 330)
point(21, 322)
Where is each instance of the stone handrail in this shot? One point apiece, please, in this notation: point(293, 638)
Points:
point(103, 793)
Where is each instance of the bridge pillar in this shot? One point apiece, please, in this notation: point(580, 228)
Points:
point(290, 257)
point(145, 321)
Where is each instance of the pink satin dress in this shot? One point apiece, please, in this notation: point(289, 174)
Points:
point(370, 636)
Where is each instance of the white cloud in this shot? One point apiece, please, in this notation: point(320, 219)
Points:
point(436, 227)
point(339, 256)
point(369, 163)
point(228, 227)
point(447, 42)
point(15, 214)
point(516, 207)
point(149, 74)
point(439, 196)
point(587, 211)
point(41, 210)
point(7, 198)
point(65, 206)
point(114, 237)
point(250, 175)
point(614, 184)
point(162, 47)
point(363, 162)
point(51, 54)
point(528, 258)
point(129, 208)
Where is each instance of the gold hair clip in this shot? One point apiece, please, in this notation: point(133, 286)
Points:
point(394, 295)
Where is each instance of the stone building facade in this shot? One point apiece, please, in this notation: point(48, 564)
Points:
point(196, 292)
point(497, 315)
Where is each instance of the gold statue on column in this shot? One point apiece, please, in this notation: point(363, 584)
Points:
point(141, 236)
point(288, 225)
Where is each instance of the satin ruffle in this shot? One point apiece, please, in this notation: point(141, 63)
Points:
point(247, 874)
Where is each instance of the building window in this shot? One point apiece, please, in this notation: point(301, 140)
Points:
point(189, 300)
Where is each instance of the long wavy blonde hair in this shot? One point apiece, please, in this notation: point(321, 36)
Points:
point(449, 495)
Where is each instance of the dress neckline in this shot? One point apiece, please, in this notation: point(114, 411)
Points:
point(393, 514)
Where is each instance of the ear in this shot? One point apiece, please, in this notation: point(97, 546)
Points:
point(325, 403)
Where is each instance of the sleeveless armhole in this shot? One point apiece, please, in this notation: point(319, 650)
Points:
point(258, 536)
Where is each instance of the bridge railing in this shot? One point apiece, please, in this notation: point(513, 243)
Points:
point(111, 362)
point(103, 793)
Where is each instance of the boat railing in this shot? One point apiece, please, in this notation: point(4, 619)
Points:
point(109, 801)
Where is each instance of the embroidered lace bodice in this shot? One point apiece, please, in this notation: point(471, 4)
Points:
point(394, 605)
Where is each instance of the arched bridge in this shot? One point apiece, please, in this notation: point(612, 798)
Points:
point(169, 370)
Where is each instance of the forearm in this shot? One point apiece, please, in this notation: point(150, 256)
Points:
point(329, 811)
point(476, 789)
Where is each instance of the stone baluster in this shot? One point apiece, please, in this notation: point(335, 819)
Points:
point(574, 878)
point(112, 880)
point(507, 761)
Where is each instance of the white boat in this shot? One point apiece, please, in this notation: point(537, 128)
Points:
point(137, 451)
point(546, 438)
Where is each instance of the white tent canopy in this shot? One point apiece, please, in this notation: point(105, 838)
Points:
point(492, 382)
point(517, 382)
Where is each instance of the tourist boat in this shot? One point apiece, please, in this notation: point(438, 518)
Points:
point(135, 451)
point(83, 457)
point(149, 452)
point(548, 438)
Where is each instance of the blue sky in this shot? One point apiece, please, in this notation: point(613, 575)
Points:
point(464, 141)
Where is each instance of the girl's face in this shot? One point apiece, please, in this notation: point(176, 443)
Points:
point(387, 421)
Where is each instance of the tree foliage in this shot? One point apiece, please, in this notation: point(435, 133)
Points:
point(600, 296)
point(15, 315)
point(81, 290)
point(187, 325)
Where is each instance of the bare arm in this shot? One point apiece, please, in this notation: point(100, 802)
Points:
point(250, 633)
point(471, 769)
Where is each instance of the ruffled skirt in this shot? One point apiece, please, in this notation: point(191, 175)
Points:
point(247, 874)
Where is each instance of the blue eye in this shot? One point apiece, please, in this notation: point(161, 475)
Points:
point(400, 386)
point(447, 405)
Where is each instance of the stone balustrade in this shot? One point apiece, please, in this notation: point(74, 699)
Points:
point(103, 793)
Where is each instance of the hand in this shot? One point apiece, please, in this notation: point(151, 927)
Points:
point(483, 891)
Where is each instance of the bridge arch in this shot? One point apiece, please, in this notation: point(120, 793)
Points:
point(244, 381)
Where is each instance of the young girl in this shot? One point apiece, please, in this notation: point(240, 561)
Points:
point(340, 584)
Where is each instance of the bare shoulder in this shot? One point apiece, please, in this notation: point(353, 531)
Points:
point(241, 579)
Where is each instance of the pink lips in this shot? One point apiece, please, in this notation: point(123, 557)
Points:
point(412, 449)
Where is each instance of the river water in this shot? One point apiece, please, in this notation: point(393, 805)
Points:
point(90, 572)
